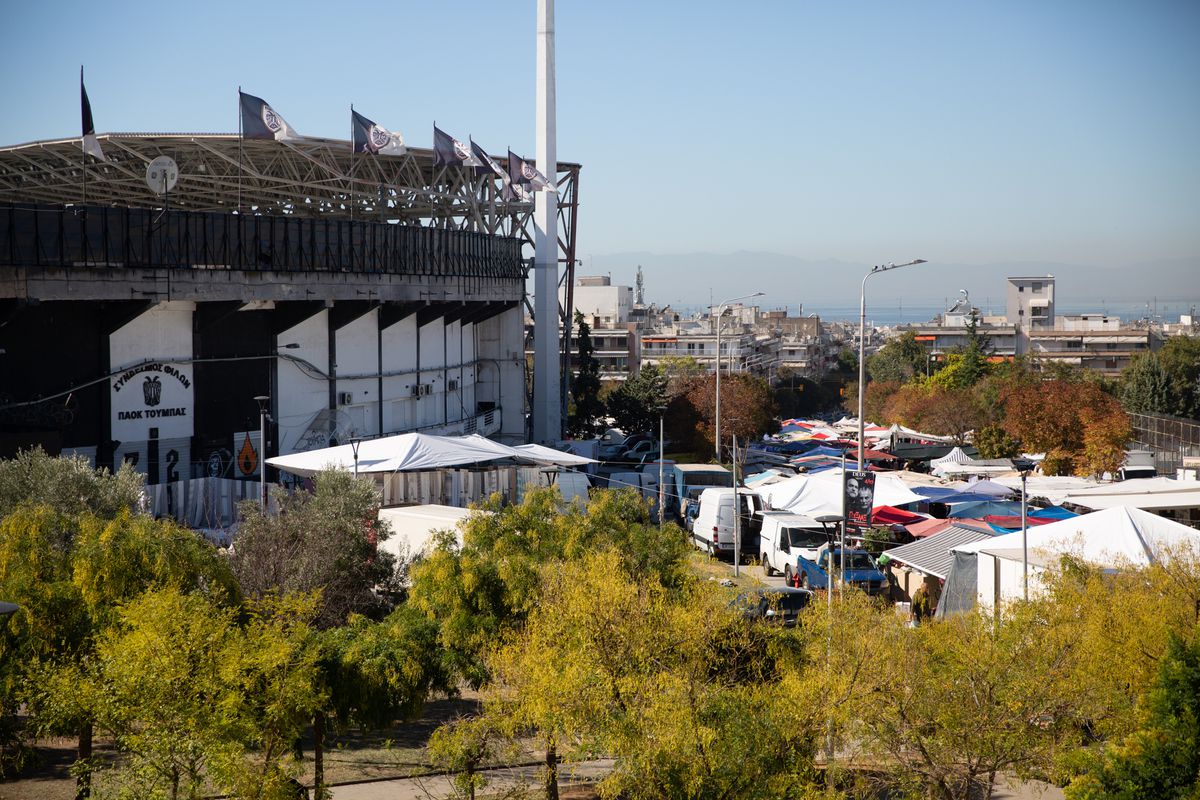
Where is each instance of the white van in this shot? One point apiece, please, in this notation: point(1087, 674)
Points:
point(784, 536)
point(713, 529)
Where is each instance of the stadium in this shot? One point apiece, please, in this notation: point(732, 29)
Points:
point(354, 294)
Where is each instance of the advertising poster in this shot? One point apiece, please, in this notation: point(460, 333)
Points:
point(858, 496)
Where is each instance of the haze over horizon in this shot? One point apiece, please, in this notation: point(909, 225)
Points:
point(1022, 132)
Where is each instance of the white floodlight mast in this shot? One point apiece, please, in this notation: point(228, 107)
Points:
point(547, 380)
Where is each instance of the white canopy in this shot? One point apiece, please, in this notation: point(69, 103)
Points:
point(1144, 493)
point(1115, 537)
point(955, 456)
point(821, 493)
point(1054, 488)
point(416, 451)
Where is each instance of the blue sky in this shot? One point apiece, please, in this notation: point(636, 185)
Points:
point(965, 132)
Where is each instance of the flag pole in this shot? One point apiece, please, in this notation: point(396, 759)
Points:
point(353, 162)
point(241, 138)
point(82, 150)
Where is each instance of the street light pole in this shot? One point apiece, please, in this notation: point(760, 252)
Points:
point(720, 314)
point(263, 400)
point(1024, 538)
point(862, 345)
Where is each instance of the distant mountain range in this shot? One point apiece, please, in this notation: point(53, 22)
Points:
point(685, 279)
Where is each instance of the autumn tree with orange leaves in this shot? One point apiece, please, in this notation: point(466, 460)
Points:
point(1081, 429)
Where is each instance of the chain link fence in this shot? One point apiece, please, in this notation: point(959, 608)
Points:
point(1171, 438)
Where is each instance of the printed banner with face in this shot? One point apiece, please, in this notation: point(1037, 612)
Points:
point(858, 496)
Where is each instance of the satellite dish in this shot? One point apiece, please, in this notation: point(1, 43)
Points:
point(162, 174)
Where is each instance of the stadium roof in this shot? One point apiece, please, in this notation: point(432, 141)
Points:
point(312, 176)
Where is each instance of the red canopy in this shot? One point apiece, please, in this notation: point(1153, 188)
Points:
point(929, 527)
point(870, 455)
point(889, 515)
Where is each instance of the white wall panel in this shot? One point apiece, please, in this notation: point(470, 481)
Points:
point(302, 396)
point(357, 354)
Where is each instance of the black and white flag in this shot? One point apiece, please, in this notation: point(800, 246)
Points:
point(260, 121)
point(372, 138)
point(91, 145)
point(520, 190)
point(525, 174)
point(450, 152)
point(490, 165)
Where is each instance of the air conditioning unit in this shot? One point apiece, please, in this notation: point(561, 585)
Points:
point(345, 398)
point(452, 385)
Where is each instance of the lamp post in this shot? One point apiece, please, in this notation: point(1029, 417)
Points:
point(263, 400)
point(720, 314)
point(1024, 538)
point(826, 520)
point(862, 345)
point(354, 443)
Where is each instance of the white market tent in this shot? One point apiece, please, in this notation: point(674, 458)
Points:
point(821, 493)
point(1054, 488)
point(990, 571)
point(413, 527)
point(1146, 493)
point(418, 451)
point(955, 456)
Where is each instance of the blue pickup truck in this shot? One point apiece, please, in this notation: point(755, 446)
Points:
point(861, 571)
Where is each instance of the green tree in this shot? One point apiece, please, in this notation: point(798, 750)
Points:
point(67, 484)
point(153, 684)
point(373, 673)
point(1162, 758)
point(491, 583)
point(70, 575)
point(586, 407)
point(901, 359)
point(680, 690)
point(1180, 359)
point(1145, 387)
point(324, 541)
point(680, 371)
point(847, 362)
point(950, 705)
point(637, 404)
point(993, 442)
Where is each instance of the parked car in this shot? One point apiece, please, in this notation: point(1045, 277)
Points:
point(861, 571)
point(713, 529)
point(780, 604)
point(639, 451)
point(784, 536)
point(610, 444)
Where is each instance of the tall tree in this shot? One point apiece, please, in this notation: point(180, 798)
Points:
point(683, 692)
point(1167, 381)
point(1080, 427)
point(747, 407)
point(326, 541)
point(637, 404)
point(1180, 359)
point(586, 406)
point(1162, 758)
point(901, 359)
